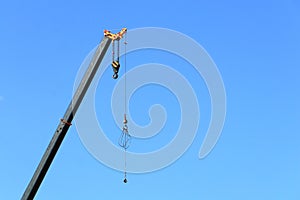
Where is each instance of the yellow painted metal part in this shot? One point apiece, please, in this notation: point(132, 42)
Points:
point(116, 36)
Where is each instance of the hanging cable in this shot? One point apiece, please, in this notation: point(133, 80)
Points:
point(125, 171)
point(125, 138)
point(118, 51)
point(113, 51)
point(125, 74)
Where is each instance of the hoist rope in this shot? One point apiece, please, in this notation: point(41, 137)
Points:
point(118, 50)
point(113, 51)
point(125, 74)
point(125, 166)
point(125, 138)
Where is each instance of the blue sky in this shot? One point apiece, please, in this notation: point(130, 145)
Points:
point(256, 48)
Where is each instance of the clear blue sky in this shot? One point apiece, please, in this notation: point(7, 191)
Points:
point(255, 45)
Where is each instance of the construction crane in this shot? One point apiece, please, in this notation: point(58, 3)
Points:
point(66, 121)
